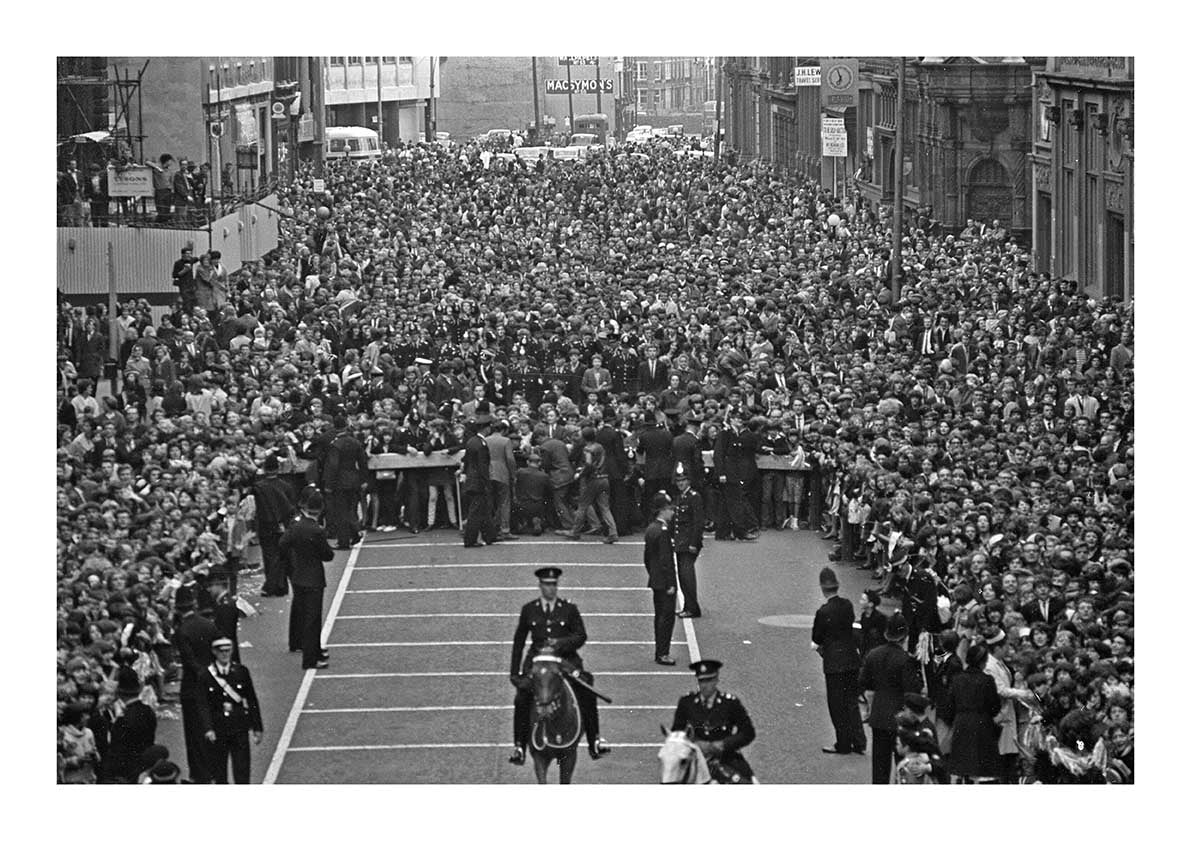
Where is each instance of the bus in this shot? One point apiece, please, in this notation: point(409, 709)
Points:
point(596, 124)
point(352, 142)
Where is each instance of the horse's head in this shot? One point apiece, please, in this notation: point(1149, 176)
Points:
point(546, 675)
point(682, 762)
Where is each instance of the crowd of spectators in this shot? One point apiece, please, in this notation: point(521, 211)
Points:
point(970, 440)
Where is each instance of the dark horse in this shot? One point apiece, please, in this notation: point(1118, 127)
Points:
point(555, 723)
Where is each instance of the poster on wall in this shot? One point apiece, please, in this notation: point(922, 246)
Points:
point(246, 124)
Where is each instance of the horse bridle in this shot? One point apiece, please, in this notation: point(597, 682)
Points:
point(551, 709)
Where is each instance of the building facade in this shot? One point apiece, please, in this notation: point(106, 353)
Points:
point(407, 85)
point(1083, 172)
point(181, 97)
point(669, 90)
point(479, 93)
point(966, 148)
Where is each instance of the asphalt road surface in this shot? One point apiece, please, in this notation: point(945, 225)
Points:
point(420, 633)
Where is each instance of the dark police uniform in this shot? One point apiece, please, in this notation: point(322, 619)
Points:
point(725, 720)
point(659, 562)
point(230, 719)
point(688, 541)
point(736, 460)
point(304, 550)
point(193, 639)
point(345, 473)
point(564, 625)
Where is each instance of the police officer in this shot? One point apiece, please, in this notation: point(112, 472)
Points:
point(228, 710)
point(735, 468)
point(345, 476)
point(659, 563)
point(688, 540)
point(304, 551)
point(193, 639)
point(719, 723)
point(554, 622)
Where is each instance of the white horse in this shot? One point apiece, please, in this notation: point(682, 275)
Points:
point(683, 763)
point(681, 760)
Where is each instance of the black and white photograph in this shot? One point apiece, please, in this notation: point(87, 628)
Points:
point(603, 420)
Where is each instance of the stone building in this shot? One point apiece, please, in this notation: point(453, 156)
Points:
point(1083, 172)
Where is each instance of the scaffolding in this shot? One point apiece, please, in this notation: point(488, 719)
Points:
point(123, 118)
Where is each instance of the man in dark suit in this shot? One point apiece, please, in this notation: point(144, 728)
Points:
point(653, 375)
point(550, 622)
point(688, 540)
point(887, 675)
point(183, 275)
point(663, 581)
point(193, 639)
point(833, 638)
point(477, 483)
point(229, 711)
point(344, 478)
point(304, 550)
point(1045, 607)
point(736, 466)
point(275, 508)
point(656, 445)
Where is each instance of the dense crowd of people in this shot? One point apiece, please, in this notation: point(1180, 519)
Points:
point(969, 441)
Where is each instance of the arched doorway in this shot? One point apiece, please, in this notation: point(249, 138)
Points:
point(990, 195)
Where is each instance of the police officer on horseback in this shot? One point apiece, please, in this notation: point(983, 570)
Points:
point(551, 622)
point(720, 725)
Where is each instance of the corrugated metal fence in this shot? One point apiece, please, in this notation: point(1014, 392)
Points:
point(144, 257)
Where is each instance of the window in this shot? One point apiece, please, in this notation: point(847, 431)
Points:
point(642, 70)
point(657, 71)
point(406, 59)
point(658, 99)
point(642, 99)
point(336, 61)
point(355, 59)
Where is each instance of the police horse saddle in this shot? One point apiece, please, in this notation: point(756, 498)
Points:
point(682, 763)
point(555, 721)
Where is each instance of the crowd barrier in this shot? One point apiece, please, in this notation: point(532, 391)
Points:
point(397, 461)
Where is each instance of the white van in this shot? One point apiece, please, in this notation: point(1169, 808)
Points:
point(352, 142)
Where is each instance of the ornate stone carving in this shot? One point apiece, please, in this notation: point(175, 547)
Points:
point(1114, 196)
point(988, 120)
point(1042, 176)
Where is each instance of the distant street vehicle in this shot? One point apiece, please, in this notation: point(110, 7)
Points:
point(596, 124)
point(352, 142)
point(589, 140)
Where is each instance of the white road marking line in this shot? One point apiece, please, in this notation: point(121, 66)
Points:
point(447, 746)
point(436, 643)
point(513, 544)
point(688, 628)
point(482, 566)
point(469, 616)
point(469, 708)
point(291, 721)
point(366, 675)
point(526, 589)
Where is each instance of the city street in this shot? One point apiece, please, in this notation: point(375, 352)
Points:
point(420, 637)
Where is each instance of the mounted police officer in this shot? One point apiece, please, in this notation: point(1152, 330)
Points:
point(720, 725)
point(551, 622)
point(688, 540)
